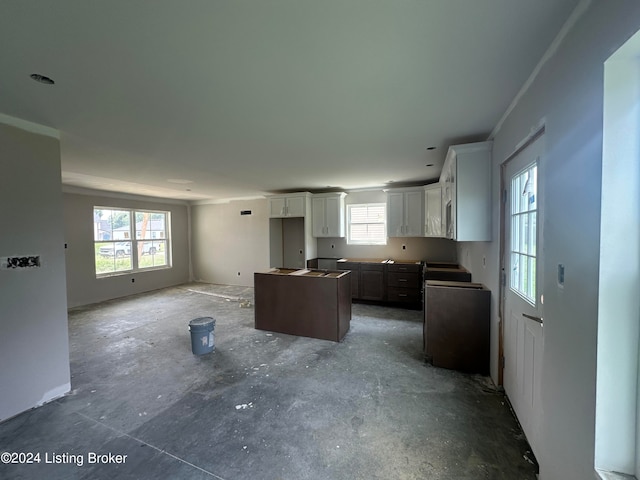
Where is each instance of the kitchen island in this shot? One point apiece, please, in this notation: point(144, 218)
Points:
point(307, 303)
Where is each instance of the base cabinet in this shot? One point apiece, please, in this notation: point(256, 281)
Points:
point(372, 282)
point(398, 283)
point(354, 268)
point(457, 325)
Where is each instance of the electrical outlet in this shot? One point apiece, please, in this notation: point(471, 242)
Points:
point(14, 263)
point(404, 247)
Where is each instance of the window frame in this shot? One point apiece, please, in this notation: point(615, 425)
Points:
point(350, 240)
point(131, 237)
point(524, 221)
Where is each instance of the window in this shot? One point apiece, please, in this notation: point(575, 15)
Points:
point(523, 233)
point(116, 252)
point(367, 224)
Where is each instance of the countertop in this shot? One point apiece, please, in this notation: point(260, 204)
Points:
point(379, 260)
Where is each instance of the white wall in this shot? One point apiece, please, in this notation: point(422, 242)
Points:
point(34, 344)
point(568, 95)
point(82, 285)
point(227, 248)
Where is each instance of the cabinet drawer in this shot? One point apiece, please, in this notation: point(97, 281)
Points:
point(407, 295)
point(404, 267)
point(348, 266)
point(403, 280)
point(372, 267)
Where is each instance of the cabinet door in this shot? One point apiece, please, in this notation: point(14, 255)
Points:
point(372, 285)
point(318, 214)
point(355, 277)
point(433, 212)
point(413, 214)
point(295, 206)
point(395, 214)
point(277, 207)
point(334, 215)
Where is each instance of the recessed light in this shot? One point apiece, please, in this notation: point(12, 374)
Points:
point(431, 148)
point(42, 79)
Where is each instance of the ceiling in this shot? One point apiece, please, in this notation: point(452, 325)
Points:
point(219, 99)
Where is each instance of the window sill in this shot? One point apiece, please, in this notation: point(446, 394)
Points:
point(133, 272)
point(614, 475)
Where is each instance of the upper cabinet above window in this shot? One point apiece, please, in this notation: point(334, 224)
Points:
point(405, 212)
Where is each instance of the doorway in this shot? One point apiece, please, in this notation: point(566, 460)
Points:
point(522, 296)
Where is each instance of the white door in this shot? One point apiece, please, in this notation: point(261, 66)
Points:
point(318, 217)
point(523, 318)
point(335, 217)
point(414, 214)
point(295, 206)
point(395, 214)
point(433, 211)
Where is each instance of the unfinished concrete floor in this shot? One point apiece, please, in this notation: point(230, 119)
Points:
point(263, 405)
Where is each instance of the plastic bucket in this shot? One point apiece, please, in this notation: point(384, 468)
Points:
point(202, 335)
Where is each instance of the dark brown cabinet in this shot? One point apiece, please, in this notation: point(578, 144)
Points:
point(374, 280)
point(457, 325)
point(404, 283)
point(372, 284)
point(449, 272)
point(308, 303)
point(354, 267)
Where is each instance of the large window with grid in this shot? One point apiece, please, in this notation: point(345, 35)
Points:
point(126, 241)
point(367, 224)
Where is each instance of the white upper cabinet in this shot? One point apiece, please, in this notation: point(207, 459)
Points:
point(405, 212)
point(328, 215)
point(466, 192)
point(433, 225)
point(292, 205)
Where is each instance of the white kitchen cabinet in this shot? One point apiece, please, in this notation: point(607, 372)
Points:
point(405, 212)
point(433, 211)
point(466, 192)
point(327, 212)
point(292, 205)
point(291, 242)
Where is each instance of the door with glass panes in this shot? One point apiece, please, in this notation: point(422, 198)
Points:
point(523, 334)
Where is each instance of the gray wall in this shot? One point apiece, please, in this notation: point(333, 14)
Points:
point(568, 96)
point(34, 344)
point(227, 248)
point(225, 243)
point(82, 285)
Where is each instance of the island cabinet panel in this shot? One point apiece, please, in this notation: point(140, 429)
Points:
point(307, 303)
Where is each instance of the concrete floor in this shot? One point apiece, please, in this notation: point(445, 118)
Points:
point(263, 405)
